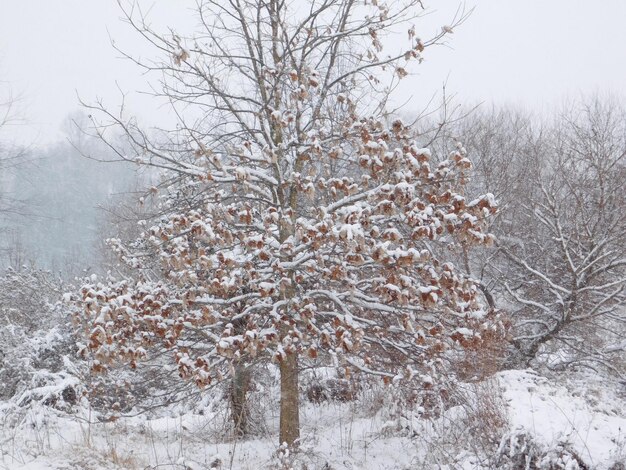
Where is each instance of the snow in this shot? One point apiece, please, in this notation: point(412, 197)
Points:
point(359, 435)
point(554, 414)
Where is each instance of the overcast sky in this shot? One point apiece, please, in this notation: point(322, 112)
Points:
point(528, 52)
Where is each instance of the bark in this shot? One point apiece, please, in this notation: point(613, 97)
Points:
point(289, 401)
point(239, 401)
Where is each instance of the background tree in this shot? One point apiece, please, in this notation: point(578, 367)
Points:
point(559, 268)
point(10, 157)
point(567, 273)
point(57, 194)
point(295, 219)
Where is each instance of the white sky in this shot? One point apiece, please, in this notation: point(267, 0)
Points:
point(528, 52)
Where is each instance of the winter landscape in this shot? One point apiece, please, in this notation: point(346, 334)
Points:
point(312, 235)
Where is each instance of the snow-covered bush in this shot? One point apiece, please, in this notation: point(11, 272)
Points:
point(27, 298)
point(40, 368)
point(519, 450)
point(37, 348)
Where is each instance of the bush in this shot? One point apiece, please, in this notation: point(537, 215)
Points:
point(37, 348)
point(518, 450)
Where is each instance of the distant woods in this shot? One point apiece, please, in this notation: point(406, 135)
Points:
point(51, 205)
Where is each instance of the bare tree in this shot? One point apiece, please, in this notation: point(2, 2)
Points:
point(559, 269)
point(10, 155)
point(568, 265)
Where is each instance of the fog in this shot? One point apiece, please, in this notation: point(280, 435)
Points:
point(55, 53)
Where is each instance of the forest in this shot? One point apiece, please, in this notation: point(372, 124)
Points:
point(296, 271)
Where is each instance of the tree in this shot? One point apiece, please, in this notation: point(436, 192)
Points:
point(10, 158)
point(567, 276)
point(57, 229)
point(295, 219)
point(559, 266)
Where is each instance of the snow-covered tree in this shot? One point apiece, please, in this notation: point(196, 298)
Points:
point(296, 219)
point(559, 267)
point(566, 269)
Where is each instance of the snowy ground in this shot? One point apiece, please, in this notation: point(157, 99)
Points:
point(590, 417)
point(583, 414)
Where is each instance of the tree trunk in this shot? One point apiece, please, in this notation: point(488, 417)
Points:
point(238, 399)
point(289, 401)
